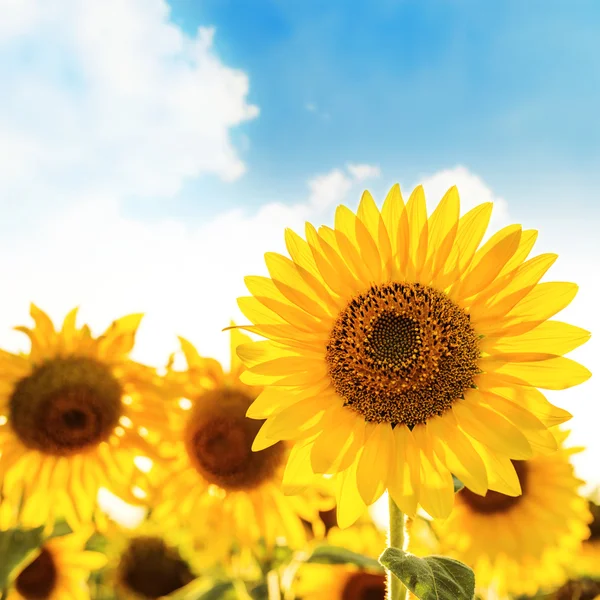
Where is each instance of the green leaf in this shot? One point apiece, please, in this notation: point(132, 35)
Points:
point(335, 555)
point(219, 592)
point(432, 577)
point(458, 484)
point(16, 545)
point(200, 589)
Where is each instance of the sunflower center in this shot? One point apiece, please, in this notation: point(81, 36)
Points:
point(66, 405)
point(364, 586)
point(38, 579)
point(152, 569)
point(495, 502)
point(581, 589)
point(402, 353)
point(219, 441)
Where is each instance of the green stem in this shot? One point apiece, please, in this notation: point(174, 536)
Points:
point(396, 589)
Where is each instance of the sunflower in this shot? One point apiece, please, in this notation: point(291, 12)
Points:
point(73, 415)
point(59, 570)
point(587, 561)
point(518, 544)
point(399, 351)
point(215, 473)
point(345, 581)
point(578, 589)
point(150, 561)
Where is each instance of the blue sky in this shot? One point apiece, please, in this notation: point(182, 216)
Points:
point(509, 89)
point(152, 152)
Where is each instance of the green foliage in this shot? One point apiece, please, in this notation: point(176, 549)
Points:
point(458, 484)
point(432, 577)
point(16, 545)
point(335, 555)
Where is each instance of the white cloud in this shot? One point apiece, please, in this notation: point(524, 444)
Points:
point(362, 172)
point(310, 107)
point(186, 278)
point(116, 101)
point(472, 191)
point(111, 96)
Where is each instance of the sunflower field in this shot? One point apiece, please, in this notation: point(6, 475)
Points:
point(379, 432)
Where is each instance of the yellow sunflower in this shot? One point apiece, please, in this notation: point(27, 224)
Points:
point(150, 561)
point(587, 561)
point(215, 473)
point(399, 351)
point(73, 415)
point(58, 571)
point(518, 544)
point(345, 581)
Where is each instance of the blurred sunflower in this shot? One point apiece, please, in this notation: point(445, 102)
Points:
point(399, 352)
point(517, 544)
point(587, 561)
point(59, 570)
point(578, 589)
point(215, 473)
point(345, 581)
point(422, 540)
point(149, 562)
point(72, 415)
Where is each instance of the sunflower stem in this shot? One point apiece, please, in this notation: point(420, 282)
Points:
point(273, 587)
point(396, 589)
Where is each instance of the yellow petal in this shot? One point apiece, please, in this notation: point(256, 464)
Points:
point(368, 250)
point(456, 451)
point(336, 447)
point(528, 239)
point(540, 438)
point(557, 373)
point(349, 503)
point(119, 338)
point(274, 398)
point(288, 280)
point(405, 471)
point(488, 262)
point(507, 291)
point(338, 263)
point(471, 229)
point(443, 225)
point(417, 219)
point(502, 476)
point(553, 337)
point(490, 428)
point(300, 252)
point(336, 281)
point(292, 421)
point(437, 488)
point(43, 323)
point(535, 402)
point(298, 475)
point(391, 211)
point(369, 214)
point(374, 464)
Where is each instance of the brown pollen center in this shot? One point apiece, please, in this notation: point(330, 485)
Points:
point(402, 353)
point(219, 441)
point(364, 586)
point(65, 406)
point(39, 578)
point(495, 502)
point(152, 569)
